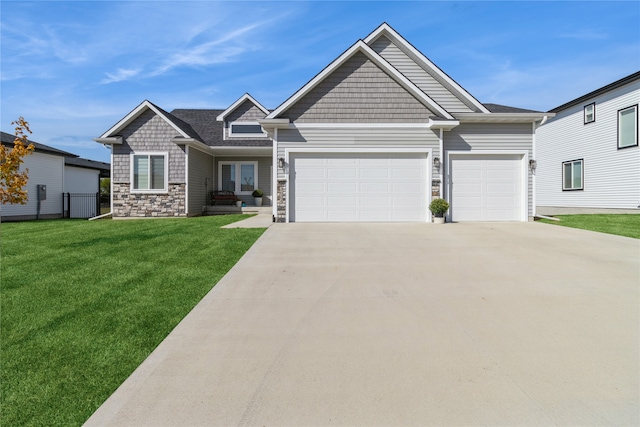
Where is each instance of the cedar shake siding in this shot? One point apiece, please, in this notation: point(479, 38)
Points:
point(407, 64)
point(148, 133)
point(245, 112)
point(358, 92)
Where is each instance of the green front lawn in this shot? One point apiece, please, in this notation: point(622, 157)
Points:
point(84, 303)
point(620, 224)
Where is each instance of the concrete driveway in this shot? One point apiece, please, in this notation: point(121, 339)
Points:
point(404, 324)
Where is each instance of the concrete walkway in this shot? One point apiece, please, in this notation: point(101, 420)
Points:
point(404, 324)
point(256, 221)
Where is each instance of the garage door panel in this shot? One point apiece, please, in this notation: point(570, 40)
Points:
point(358, 187)
point(339, 187)
point(341, 173)
point(312, 187)
point(408, 173)
point(407, 187)
point(345, 202)
point(374, 187)
point(340, 161)
point(373, 173)
point(374, 202)
point(501, 188)
point(486, 188)
point(304, 173)
point(312, 201)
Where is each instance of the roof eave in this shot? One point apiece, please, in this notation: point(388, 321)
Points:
point(110, 140)
point(502, 117)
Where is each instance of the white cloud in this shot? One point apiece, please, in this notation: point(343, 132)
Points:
point(584, 34)
point(220, 50)
point(120, 75)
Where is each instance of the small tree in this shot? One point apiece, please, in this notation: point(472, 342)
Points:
point(105, 186)
point(12, 181)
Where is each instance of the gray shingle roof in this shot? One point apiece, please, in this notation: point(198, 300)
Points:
point(8, 138)
point(86, 163)
point(623, 81)
point(210, 131)
point(497, 108)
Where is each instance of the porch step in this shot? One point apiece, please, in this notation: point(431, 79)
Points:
point(232, 209)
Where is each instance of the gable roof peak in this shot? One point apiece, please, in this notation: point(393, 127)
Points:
point(240, 101)
point(362, 47)
point(181, 127)
point(425, 63)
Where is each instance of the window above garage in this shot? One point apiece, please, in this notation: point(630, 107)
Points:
point(246, 129)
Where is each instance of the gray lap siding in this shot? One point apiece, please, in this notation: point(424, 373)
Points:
point(148, 133)
point(200, 181)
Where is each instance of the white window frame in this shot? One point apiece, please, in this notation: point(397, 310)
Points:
point(165, 188)
point(572, 163)
point(588, 120)
point(245, 135)
point(238, 165)
point(635, 128)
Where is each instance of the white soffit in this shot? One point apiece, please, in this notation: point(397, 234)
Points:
point(145, 105)
point(243, 98)
point(386, 30)
point(361, 46)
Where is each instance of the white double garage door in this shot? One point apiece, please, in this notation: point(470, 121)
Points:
point(396, 187)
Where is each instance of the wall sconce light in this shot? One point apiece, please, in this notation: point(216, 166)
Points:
point(436, 163)
point(280, 163)
point(533, 165)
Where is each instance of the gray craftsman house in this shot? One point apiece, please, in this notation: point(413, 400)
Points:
point(374, 136)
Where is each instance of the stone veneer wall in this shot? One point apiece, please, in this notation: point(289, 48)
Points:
point(126, 204)
point(281, 201)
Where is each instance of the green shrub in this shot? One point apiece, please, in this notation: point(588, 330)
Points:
point(438, 207)
point(257, 193)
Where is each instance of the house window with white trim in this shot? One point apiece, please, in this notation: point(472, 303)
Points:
point(628, 127)
point(246, 129)
point(149, 172)
point(590, 113)
point(239, 177)
point(572, 175)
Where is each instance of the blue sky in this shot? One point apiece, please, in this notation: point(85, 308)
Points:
point(73, 69)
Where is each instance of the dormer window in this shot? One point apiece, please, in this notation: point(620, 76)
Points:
point(590, 113)
point(246, 129)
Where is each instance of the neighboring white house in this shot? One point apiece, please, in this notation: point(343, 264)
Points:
point(588, 159)
point(83, 175)
point(60, 172)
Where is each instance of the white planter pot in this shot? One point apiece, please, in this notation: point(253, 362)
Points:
point(258, 201)
point(239, 203)
point(438, 220)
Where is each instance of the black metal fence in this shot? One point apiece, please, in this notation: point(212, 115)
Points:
point(80, 205)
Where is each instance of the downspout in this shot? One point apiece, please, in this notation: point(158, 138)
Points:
point(440, 174)
point(534, 157)
point(274, 177)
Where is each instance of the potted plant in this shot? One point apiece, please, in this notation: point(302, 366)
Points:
point(257, 194)
point(238, 202)
point(438, 207)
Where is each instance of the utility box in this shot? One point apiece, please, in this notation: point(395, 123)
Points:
point(42, 192)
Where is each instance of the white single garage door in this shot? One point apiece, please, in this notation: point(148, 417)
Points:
point(486, 187)
point(358, 187)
